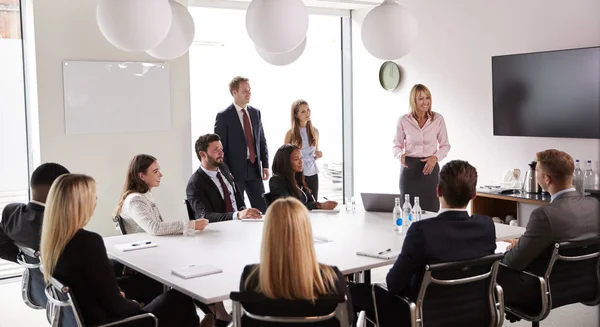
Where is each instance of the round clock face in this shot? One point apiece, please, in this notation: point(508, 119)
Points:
point(389, 75)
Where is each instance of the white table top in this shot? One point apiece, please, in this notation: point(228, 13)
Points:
point(232, 245)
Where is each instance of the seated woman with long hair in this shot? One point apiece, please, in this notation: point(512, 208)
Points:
point(288, 266)
point(77, 258)
point(136, 205)
point(288, 179)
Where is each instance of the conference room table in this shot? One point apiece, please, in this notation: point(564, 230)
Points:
point(231, 245)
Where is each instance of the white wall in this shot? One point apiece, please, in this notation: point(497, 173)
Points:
point(453, 58)
point(67, 30)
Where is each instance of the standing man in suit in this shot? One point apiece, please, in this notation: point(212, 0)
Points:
point(244, 143)
point(211, 191)
point(453, 235)
point(568, 217)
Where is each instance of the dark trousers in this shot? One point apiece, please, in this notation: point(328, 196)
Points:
point(521, 291)
point(254, 187)
point(313, 184)
point(175, 309)
point(392, 311)
point(415, 183)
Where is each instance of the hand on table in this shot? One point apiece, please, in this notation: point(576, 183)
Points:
point(199, 224)
point(250, 213)
point(513, 243)
point(328, 205)
point(429, 164)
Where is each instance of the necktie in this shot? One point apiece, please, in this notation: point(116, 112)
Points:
point(226, 197)
point(249, 137)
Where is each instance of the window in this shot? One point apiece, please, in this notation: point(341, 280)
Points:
point(14, 172)
point(222, 50)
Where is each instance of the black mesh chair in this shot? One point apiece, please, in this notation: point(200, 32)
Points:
point(462, 293)
point(67, 314)
point(254, 309)
point(32, 282)
point(572, 275)
point(189, 209)
point(119, 222)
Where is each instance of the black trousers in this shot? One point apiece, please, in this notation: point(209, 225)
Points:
point(174, 309)
point(313, 184)
point(520, 290)
point(415, 183)
point(392, 311)
point(254, 187)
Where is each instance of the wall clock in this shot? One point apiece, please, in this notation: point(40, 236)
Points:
point(389, 75)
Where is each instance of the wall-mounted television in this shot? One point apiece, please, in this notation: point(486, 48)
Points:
point(547, 94)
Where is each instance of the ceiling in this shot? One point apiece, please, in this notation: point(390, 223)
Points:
point(316, 4)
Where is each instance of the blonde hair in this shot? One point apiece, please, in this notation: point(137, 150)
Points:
point(556, 164)
point(294, 132)
point(288, 265)
point(414, 94)
point(70, 205)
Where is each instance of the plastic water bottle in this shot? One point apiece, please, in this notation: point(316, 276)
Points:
point(397, 216)
point(589, 177)
point(407, 212)
point(578, 178)
point(417, 213)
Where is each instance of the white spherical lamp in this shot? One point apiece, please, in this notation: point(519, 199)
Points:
point(282, 59)
point(277, 26)
point(134, 25)
point(180, 36)
point(388, 31)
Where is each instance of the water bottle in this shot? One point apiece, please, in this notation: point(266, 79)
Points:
point(397, 216)
point(406, 212)
point(416, 210)
point(589, 177)
point(578, 178)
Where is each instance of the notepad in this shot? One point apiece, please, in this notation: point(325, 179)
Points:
point(254, 220)
point(501, 247)
point(192, 271)
point(379, 253)
point(334, 210)
point(136, 245)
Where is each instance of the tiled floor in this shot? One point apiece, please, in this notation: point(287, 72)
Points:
point(14, 313)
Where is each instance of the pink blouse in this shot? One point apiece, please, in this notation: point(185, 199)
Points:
point(421, 142)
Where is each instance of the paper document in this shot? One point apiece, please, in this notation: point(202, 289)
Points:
point(135, 245)
point(192, 271)
point(334, 210)
point(501, 247)
point(379, 253)
point(253, 219)
point(320, 239)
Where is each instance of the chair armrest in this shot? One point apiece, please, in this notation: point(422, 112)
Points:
point(500, 305)
point(530, 274)
point(133, 318)
point(361, 321)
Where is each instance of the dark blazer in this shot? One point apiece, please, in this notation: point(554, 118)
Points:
point(280, 188)
point(229, 128)
point(570, 217)
point(21, 224)
point(84, 267)
point(340, 288)
point(205, 198)
point(451, 236)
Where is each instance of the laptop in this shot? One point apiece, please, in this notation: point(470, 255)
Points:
point(380, 202)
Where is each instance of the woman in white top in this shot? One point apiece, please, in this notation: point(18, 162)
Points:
point(303, 135)
point(137, 207)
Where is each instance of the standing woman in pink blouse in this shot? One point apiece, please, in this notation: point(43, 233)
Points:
point(421, 141)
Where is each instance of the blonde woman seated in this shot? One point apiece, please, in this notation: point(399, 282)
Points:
point(137, 207)
point(288, 266)
point(77, 258)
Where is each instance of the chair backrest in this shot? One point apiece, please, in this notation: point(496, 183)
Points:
point(119, 220)
point(254, 309)
point(268, 198)
point(32, 282)
point(573, 273)
point(60, 298)
point(460, 293)
point(190, 211)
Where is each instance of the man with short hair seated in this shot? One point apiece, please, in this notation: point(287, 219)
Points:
point(568, 217)
point(453, 235)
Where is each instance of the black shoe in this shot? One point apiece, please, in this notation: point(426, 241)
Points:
point(222, 323)
point(512, 318)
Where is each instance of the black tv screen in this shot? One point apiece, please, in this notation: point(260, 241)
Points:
point(547, 94)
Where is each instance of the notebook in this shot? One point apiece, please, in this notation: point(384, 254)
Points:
point(136, 245)
point(192, 271)
point(379, 253)
point(334, 210)
point(253, 219)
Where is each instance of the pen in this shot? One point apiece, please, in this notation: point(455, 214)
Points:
point(138, 244)
point(382, 252)
point(325, 198)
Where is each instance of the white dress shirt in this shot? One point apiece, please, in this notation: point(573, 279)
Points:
point(241, 117)
point(555, 195)
point(213, 176)
point(442, 210)
point(38, 203)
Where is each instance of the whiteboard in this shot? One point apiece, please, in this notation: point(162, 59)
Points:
point(116, 97)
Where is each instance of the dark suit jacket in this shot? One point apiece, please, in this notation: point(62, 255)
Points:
point(205, 198)
point(340, 289)
point(85, 268)
point(451, 236)
point(570, 217)
point(21, 224)
point(229, 128)
point(279, 188)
